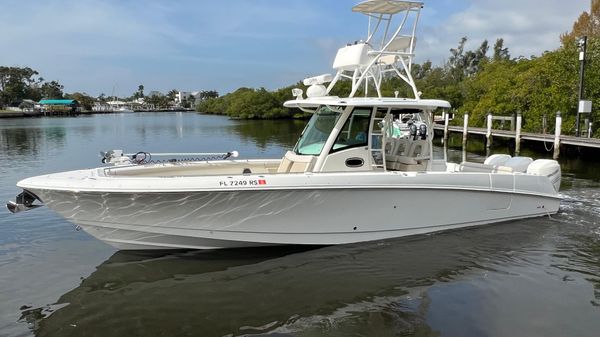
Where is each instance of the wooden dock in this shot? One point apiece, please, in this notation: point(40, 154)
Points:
point(538, 137)
point(556, 139)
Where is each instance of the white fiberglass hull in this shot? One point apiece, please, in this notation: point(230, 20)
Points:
point(333, 209)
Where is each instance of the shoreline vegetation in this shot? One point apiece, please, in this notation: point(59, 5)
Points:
point(476, 81)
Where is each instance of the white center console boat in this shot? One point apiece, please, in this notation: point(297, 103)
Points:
point(362, 170)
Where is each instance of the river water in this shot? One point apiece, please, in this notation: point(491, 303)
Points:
point(536, 277)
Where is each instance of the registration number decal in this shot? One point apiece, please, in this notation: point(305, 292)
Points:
point(243, 182)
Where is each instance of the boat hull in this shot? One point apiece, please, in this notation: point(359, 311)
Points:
point(246, 218)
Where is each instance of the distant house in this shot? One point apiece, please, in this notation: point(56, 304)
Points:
point(21, 105)
point(27, 105)
point(192, 98)
point(59, 106)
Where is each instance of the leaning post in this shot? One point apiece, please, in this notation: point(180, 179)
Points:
point(518, 133)
point(488, 134)
point(465, 129)
point(557, 129)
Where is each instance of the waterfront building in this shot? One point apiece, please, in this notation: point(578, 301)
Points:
point(186, 96)
point(59, 106)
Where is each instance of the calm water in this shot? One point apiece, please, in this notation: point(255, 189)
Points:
point(538, 277)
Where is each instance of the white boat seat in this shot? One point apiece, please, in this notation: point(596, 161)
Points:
point(401, 148)
point(402, 43)
point(293, 163)
point(388, 60)
point(391, 145)
point(467, 166)
point(415, 159)
point(417, 152)
point(508, 165)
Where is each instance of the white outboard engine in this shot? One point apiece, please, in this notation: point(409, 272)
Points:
point(546, 167)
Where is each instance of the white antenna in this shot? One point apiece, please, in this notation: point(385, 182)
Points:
point(382, 52)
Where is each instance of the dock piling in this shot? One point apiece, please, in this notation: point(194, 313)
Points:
point(557, 130)
point(488, 133)
point(518, 133)
point(591, 141)
point(446, 120)
point(465, 129)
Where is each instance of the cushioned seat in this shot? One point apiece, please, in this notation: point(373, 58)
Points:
point(401, 149)
point(293, 163)
point(467, 166)
point(502, 163)
point(413, 159)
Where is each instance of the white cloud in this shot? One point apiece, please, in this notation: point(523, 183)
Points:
point(528, 27)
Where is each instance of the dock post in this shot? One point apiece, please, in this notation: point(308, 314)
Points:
point(544, 124)
point(446, 152)
point(488, 133)
point(512, 122)
point(446, 119)
point(518, 133)
point(465, 128)
point(557, 129)
point(465, 133)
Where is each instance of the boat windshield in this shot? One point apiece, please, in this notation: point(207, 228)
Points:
point(317, 130)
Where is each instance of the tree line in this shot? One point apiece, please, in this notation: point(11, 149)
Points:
point(19, 84)
point(475, 81)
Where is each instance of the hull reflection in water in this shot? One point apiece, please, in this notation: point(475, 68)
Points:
point(375, 289)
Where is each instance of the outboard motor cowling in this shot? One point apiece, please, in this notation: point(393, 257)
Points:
point(546, 167)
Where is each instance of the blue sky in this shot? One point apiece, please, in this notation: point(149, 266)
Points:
point(113, 46)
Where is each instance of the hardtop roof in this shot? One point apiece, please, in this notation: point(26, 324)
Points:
point(58, 101)
point(385, 6)
point(424, 104)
